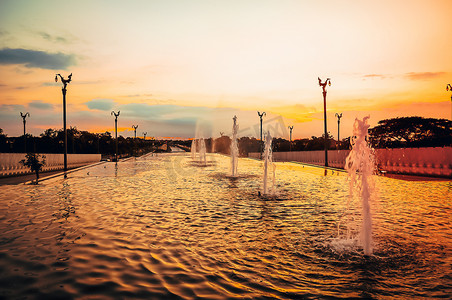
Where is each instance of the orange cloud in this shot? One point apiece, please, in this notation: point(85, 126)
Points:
point(424, 75)
point(377, 76)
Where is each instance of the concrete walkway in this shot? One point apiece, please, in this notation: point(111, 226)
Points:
point(22, 179)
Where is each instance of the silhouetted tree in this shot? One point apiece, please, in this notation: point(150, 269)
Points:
point(280, 145)
point(223, 144)
point(247, 145)
point(314, 143)
point(411, 132)
point(310, 144)
point(344, 144)
point(34, 163)
point(3, 143)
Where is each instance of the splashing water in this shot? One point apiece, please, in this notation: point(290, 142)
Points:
point(193, 148)
point(202, 151)
point(360, 165)
point(268, 163)
point(198, 151)
point(234, 148)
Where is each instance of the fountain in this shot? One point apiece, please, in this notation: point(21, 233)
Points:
point(234, 148)
point(360, 165)
point(193, 149)
point(198, 151)
point(268, 163)
point(198, 146)
point(202, 152)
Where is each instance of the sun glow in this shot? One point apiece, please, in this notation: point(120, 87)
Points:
point(240, 55)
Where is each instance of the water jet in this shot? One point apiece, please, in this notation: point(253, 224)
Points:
point(234, 148)
point(360, 165)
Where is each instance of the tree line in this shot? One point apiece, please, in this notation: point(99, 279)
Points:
point(405, 132)
point(78, 142)
point(247, 144)
point(411, 132)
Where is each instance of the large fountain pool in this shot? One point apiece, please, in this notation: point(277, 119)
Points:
point(163, 227)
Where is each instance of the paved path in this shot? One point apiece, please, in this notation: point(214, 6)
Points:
point(26, 178)
point(21, 179)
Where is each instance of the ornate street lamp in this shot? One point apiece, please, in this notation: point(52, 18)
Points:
point(323, 85)
point(261, 115)
point(290, 137)
point(135, 129)
point(63, 89)
point(339, 116)
point(24, 116)
point(449, 88)
point(116, 132)
point(135, 139)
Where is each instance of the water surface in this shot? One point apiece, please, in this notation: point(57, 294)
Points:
point(163, 227)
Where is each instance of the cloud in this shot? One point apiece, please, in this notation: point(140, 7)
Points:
point(55, 39)
point(168, 111)
point(376, 76)
point(146, 110)
point(11, 108)
point(39, 104)
point(36, 59)
point(101, 104)
point(51, 84)
point(139, 95)
point(424, 75)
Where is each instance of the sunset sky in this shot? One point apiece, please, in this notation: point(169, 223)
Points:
point(172, 67)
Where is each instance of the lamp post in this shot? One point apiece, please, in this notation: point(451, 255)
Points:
point(339, 116)
point(63, 89)
point(135, 129)
point(449, 88)
point(144, 134)
point(24, 116)
point(261, 115)
point(116, 132)
point(134, 140)
point(290, 137)
point(323, 85)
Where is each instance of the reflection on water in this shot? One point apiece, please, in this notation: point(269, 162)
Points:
point(162, 227)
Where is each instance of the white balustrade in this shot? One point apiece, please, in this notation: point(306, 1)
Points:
point(433, 161)
point(9, 162)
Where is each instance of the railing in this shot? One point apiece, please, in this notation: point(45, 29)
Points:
point(418, 161)
point(434, 161)
point(9, 162)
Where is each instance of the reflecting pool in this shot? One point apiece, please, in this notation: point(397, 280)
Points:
point(163, 227)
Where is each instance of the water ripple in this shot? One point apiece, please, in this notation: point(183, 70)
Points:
point(163, 228)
